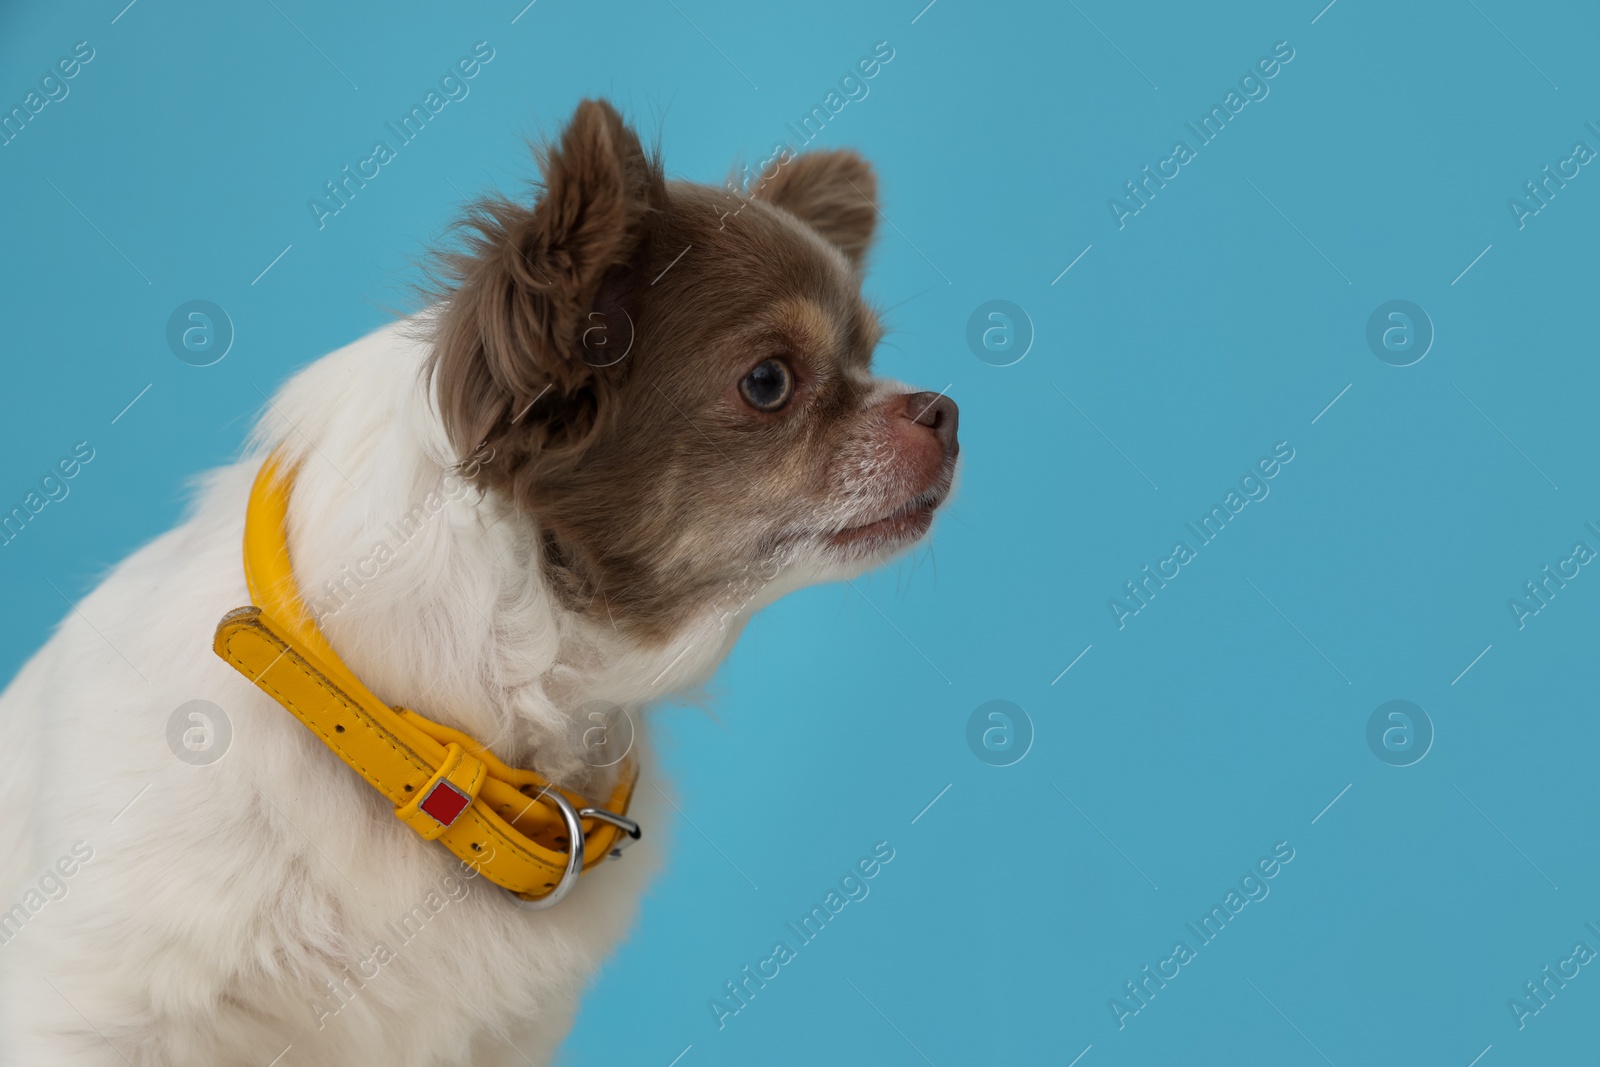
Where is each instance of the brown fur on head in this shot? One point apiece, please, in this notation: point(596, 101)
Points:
point(611, 353)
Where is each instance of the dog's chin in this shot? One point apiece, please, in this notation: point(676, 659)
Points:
point(877, 539)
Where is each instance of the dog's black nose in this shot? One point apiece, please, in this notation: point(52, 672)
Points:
point(937, 412)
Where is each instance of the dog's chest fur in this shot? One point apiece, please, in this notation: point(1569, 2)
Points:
point(270, 898)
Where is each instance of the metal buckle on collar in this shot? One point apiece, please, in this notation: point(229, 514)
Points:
point(621, 822)
point(574, 817)
point(569, 877)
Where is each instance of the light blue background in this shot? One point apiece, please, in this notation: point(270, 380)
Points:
point(1195, 338)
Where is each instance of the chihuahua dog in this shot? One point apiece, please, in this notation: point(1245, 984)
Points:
point(637, 411)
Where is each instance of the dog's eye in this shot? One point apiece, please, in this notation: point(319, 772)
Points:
point(768, 386)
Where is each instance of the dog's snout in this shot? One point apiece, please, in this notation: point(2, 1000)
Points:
point(938, 413)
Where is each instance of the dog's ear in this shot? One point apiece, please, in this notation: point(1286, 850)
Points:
point(834, 192)
point(534, 329)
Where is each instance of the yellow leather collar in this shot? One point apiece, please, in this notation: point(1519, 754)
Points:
point(510, 824)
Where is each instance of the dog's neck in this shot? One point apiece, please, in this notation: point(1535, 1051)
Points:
point(433, 593)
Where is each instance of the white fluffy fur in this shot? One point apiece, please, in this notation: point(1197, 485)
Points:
point(217, 906)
